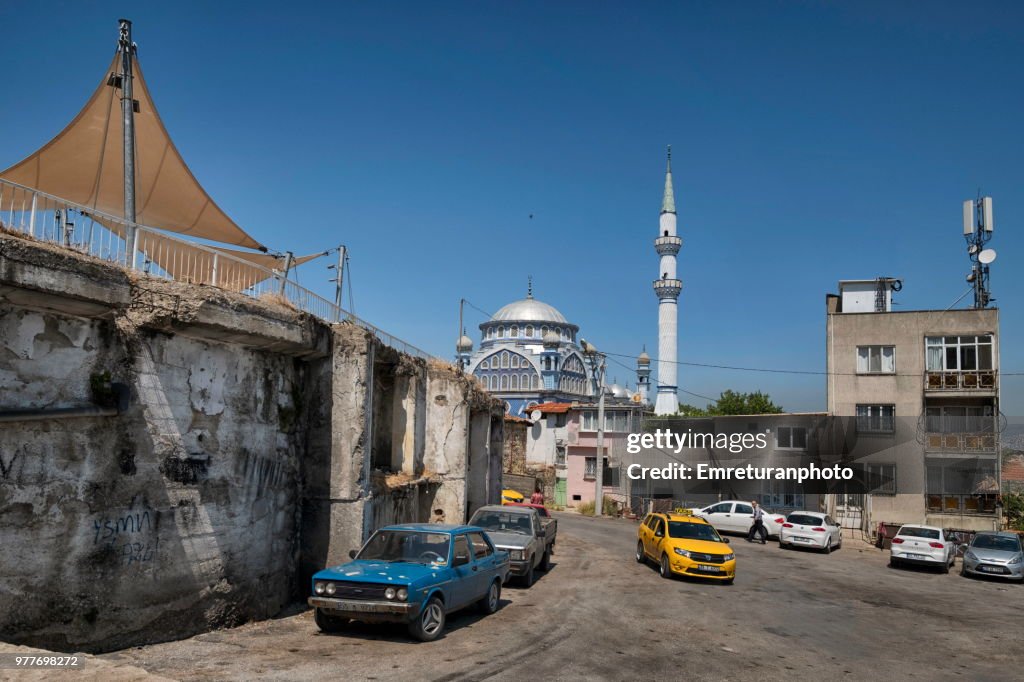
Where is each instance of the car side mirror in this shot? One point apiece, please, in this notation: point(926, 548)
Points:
point(659, 534)
point(461, 560)
point(542, 533)
point(963, 548)
point(725, 540)
point(352, 553)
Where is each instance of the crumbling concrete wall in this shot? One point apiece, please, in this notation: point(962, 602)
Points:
point(257, 446)
point(175, 515)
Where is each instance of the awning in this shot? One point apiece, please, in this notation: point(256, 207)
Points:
point(84, 164)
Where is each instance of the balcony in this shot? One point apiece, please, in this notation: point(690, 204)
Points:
point(967, 381)
point(966, 443)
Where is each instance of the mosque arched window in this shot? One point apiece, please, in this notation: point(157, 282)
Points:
point(515, 361)
point(543, 330)
point(529, 330)
point(526, 381)
point(536, 381)
point(514, 382)
point(485, 365)
point(504, 359)
point(504, 382)
point(494, 382)
point(515, 331)
point(501, 331)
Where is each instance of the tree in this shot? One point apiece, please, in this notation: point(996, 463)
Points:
point(731, 402)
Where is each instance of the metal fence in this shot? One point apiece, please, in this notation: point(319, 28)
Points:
point(51, 219)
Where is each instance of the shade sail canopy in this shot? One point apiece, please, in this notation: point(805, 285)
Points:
point(84, 164)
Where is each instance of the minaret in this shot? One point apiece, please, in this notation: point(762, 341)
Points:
point(667, 287)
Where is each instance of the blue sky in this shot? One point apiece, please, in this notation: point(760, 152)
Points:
point(812, 142)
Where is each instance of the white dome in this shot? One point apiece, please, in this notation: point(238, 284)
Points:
point(464, 345)
point(529, 310)
point(618, 391)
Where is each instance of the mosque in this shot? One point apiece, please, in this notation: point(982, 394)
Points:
point(529, 352)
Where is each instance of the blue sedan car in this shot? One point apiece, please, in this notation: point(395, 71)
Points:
point(414, 574)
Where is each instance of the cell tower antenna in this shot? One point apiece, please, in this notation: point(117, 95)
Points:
point(978, 229)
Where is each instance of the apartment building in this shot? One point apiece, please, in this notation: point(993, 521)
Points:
point(921, 391)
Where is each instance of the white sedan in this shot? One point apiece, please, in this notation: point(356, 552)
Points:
point(923, 546)
point(735, 516)
point(811, 529)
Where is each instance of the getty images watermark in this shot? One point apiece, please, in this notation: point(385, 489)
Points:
point(665, 441)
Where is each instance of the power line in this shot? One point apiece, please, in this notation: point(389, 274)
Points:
point(767, 370)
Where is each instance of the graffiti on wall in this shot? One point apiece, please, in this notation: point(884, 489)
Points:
point(130, 536)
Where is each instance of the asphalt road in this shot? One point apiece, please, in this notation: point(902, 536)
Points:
point(599, 615)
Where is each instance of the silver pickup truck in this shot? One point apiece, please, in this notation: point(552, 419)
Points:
point(520, 532)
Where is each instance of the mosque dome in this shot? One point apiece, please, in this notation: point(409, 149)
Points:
point(464, 345)
point(643, 359)
point(618, 391)
point(529, 310)
point(551, 339)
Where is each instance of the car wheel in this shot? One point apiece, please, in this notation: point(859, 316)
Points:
point(945, 567)
point(664, 570)
point(827, 549)
point(782, 545)
point(894, 563)
point(545, 561)
point(640, 552)
point(729, 581)
point(489, 604)
point(963, 570)
point(429, 625)
point(329, 623)
point(529, 577)
point(839, 545)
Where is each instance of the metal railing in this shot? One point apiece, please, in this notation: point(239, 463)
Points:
point(966, 380)
point(53, 220)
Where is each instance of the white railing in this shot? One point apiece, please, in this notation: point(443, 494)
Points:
point(51, 219)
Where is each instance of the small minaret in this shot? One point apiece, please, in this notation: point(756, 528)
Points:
point(643, 375)
point(667, 288)
point(463, 350)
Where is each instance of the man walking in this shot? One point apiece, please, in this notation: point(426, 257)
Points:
point(758, 527)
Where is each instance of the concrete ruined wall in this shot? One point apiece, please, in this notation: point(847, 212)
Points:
point(258, 445)
point(174, 516)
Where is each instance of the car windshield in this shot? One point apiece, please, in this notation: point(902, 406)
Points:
point(687, 530)
point(996, 542)
point(503, 522)
point(419, 547)
point(804, 520)
point(915, 532)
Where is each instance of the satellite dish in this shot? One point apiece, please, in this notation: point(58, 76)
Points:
point(987, 256)
point(973, 249)
point(535, 415)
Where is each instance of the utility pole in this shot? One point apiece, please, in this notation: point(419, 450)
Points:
point(288, 257)
point(458, 351)
point(127, 48)
point(597, 364)
point(339, 281)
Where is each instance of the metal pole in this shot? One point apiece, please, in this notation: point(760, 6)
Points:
point(128, 127)
point(458, 350)
point(342, 254)
point(287, 267)
point(599, 460)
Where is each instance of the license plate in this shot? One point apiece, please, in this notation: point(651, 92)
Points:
point(991, 569)
point(708, 569)
point(802, 539)
point(918, 556)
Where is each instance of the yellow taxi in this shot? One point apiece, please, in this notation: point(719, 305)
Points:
point(511, 496)
point(683, 544)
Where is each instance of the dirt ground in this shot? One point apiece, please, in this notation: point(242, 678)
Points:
point(599, 615)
